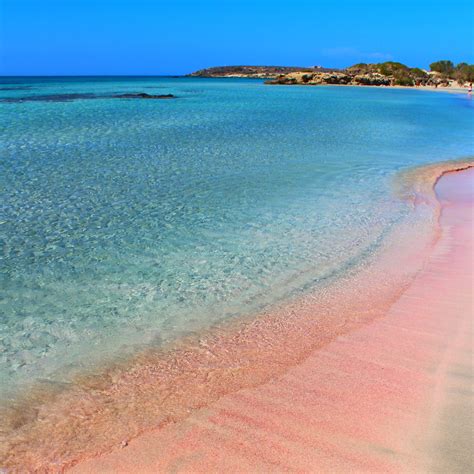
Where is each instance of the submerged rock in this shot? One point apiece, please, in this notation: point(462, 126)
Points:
point(49, 98)
point(81, 96)
point(15, 88)
point(143, 95)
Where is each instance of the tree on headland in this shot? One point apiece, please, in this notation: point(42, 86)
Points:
point(418, 73)
point(444, 67)
point(464, 73)
point(389, 68)
point(401, 73)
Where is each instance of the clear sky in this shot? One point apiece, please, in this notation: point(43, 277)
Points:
point(55, 37)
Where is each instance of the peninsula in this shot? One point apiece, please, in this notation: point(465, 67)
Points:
point(443, 74)
point(257, 72)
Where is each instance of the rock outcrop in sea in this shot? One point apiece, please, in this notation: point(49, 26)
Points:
point(321, 78)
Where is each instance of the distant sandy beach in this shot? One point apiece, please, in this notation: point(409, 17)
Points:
point(451, 89)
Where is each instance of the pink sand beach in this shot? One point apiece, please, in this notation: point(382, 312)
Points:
point(394, 395)
point(380, 381)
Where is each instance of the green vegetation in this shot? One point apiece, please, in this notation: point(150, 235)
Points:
point(464, 73)
point(403, 79)
point(400, 74)
point(441, 72)
point(360, 68)
point(444, 67)
point(391, 68)
point(418, 74)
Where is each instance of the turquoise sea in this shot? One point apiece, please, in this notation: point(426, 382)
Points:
point(130, 222)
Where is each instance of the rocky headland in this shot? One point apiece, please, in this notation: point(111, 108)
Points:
point(443, 74)
point(381, 74)
point(258, 72)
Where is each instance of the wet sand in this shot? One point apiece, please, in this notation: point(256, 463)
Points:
point(393, 394)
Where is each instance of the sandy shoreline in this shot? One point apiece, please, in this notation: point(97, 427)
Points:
point(448, 89)
point(284, 391)
point(391, 396)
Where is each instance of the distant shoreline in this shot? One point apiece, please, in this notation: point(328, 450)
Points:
point(448, 89)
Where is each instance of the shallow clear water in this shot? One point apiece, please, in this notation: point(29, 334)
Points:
point(127, 222)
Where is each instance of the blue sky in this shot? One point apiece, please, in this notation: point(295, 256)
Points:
point(54, 37)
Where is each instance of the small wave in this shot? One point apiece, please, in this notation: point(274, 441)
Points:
point(417, 184)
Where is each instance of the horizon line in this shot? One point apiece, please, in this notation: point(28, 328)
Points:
point(92, 75)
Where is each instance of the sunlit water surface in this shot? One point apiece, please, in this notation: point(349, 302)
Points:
point(127, 222)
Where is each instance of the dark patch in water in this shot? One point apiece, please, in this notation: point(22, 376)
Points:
point(12, 82)
point(49, 98)
point(143, 95)
point(16, 88)
point(82, 96)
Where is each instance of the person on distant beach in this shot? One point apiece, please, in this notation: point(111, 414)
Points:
point(469, 90)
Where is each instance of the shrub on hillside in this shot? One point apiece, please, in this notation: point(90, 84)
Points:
point(418, 73)
point(464, 73)
point(392, 68)
point(359, 68)
point(403, 79)
point(444, 67)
